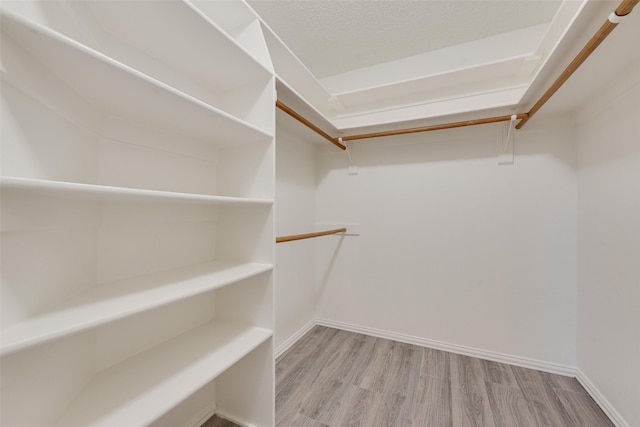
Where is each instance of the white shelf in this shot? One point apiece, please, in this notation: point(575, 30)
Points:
point(102, 192)
point(139, 390)
point(184, 48)
point(108, 302)
point(122, 90)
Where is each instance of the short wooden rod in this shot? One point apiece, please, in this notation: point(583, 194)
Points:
point(434, 127)
point(310, 125)
point(623, 9)
point(309, 235)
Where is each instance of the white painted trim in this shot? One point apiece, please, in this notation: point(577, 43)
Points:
point(615, 416)
point(233, 419)
point(202, 416)
point(501, 98)
point(554, 368)
point(294, 338)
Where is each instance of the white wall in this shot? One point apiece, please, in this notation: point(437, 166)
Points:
point(608, 344)
point(453, 247)
point(295, 289)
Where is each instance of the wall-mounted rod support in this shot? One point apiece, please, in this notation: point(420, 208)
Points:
point(434, 127)
point(310, 125)
point(623, 9)
point(310, 235)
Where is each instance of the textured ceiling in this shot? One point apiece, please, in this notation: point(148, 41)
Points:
point(334, 36)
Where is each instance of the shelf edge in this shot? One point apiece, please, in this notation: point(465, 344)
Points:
point(120, 193)
point(16, 345)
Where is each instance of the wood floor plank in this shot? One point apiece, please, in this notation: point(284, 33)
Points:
point(407, 377)
point(583, 410)
point(292, 390)
point(374, 372)
point(306, 347)
point(397, 376)
point(541, 397)
point(432, 403)
point(302, 421)
point(432, 406)
point(393, 381)
point(470, 403)
point(358, 408)
point(435, 363)
point(295, 360)
point(216, 421)
point(387, 413)
point(330, 387)
point(509, 407)
point(564, 383)
point(498, 373)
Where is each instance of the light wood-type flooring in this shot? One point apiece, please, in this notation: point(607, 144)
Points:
point(216, 421)
point(337, 378)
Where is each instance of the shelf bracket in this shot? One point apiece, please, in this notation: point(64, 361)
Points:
point(351, 168)
point(506, 154)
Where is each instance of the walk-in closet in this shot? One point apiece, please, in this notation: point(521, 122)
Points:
point(318, 213)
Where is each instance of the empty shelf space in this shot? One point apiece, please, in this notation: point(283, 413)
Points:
point(121, 90)
point(139, 390)
point(111, 301)
point(103, 192)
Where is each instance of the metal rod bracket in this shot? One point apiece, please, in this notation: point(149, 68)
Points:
point(506, 155)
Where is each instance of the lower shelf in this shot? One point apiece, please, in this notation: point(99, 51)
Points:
point(141, 389)
point(112, 301)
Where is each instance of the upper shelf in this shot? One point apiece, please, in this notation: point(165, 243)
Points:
point(119, 89)
point(240, 21)
point(178, 33)
point(103, 192)
point(109, 302)
point(138, 391)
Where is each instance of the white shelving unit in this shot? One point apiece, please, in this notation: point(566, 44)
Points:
point(137, 214)
point(136, 391)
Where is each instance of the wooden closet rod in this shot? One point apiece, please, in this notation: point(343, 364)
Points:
point(610, 24)
point(309, 235)
point(625, 8)
point(310, 125)
point(434, 127)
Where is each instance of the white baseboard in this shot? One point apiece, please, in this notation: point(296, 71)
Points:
point(602, 401)
point(201, 417)
point(198, 419)
point(294, 338)
point(524, 362)
point(234, 420)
